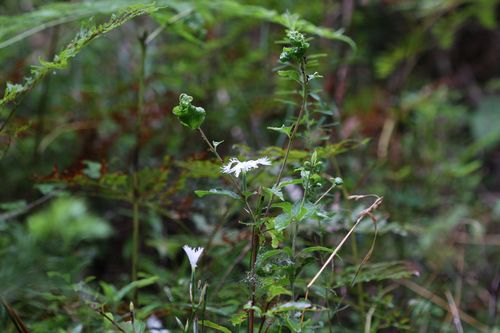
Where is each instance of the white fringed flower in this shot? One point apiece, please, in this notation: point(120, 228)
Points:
point(193, 255)
point(236, 167)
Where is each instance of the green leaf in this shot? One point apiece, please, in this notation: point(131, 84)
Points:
point(275, 290)
point(14, 28)
point(257, 310)
point(188, 114)
point(293, 324)
point(296, 49)
point(179, 323)
point(262, 258)
point(274, 191)
point(291, 306)
point(285, 206)
point(315, 249)
point(238, 318)
point(303, 211)
point(214, 191)
point(208, 323)
point(392, 270)
point(216, 143)
point(282, 221)
point(136, 327)
point(61, 60)
point(134, 285)
point(283, 129)
point(237, 9)
point(290, 182)
point(276, 238)
point(290, 74)
point(313, 76)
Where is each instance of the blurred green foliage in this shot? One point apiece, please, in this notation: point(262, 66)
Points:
point(409, 112)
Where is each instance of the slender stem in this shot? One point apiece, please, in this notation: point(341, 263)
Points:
point(203, 311)
point(294, 131)
point(255, 230)
point(210, 146)
point(9, 116)
point(135, 170)
point(16, 320)
point(135, 238)
point(255, 235)
point(295, 231)
point(361, 215)
point(111, 320)
point(324, 194)
point(192, 286)
point(268, 304)
point(233, 180)
point(132, 319)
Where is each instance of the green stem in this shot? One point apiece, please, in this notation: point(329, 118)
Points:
point(255, 231)
point(294, 131)
point(233, 180)
point(194, 317)
point(135, 240)
point(255, 234)
point(295, 231)
point(135, 171)
point(204, 309)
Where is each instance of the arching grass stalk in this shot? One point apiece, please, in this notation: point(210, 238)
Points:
point(135, 166)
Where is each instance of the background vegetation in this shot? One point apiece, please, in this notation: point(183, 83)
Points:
point(406, 108)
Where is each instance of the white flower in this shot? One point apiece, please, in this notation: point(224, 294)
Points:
point(193, 254)
point(237, 167)
point(155, 326)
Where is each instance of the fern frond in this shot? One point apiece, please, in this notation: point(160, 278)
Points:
point(61, 60)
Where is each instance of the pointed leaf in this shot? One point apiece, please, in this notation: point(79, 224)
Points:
point(208, 323)
point(215, 191)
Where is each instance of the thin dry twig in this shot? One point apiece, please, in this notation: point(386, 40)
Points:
point(454, 312)
point(366, 212)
